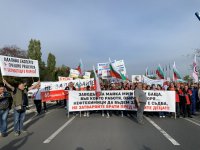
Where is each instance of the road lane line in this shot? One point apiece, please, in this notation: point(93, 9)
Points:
point(171, 139)
point(192, 121)
point(195, 120)
point(49, 139)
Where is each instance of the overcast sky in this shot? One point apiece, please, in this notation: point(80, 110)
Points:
point(142, 32)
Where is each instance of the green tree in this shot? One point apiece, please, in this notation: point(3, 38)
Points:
point(34, 52)
point(51, 64)
point(13, 51)
point(187, 78)
point(62, 71)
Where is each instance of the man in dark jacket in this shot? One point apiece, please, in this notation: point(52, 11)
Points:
point(5, 102)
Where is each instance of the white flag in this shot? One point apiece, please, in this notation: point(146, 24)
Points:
point(195, 72)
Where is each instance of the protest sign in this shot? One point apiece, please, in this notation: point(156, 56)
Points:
point(87, 75)
point(79, 84)
point(18, 67)
point(54, 95)
point(64, 78)
point(136, 78)
point(74, 73)
point(120, 100)
point(103, 68)
point(149, 81)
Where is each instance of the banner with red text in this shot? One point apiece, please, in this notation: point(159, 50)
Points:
point(64, 78)
point(18, 67)
point(120, 100)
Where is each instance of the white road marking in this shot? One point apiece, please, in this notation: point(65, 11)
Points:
point(49, 139)
point(192, 121)
point(171, 139)
point(195, 120)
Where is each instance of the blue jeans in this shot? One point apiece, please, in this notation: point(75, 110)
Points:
point(18, 120)
point(3, 120)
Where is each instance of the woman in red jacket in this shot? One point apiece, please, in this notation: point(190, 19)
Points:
point(177, 91)
point(188, 93)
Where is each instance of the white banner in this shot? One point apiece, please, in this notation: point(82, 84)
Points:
point(64, 78)
point(87, 75)
point(136, 78)
point(78, 84)
point(18, 67)
point(74, 73)
point(103, 68)
point(151, 81)
point(120, 100)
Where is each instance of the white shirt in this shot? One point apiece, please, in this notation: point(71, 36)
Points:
point(37, 94)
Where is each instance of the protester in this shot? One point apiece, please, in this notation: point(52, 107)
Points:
point(87, 113)
point(70, 87)
point(20, 101)
point(103, 88)
point(161, 113)
point(141, 99)
point(5, 102)
point(194, 98)
point(182, 101)
point(148, 87)
point(38, 99)
point(188, 93)
point(177, 90)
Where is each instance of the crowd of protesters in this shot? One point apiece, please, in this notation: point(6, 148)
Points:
point(187, 101)
point(187, 96)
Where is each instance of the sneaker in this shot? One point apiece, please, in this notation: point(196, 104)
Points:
point(16, 134)
point(23, 131)
point(108, 115)
point(84, 114)
point(163, 116)
point(3, 134)
point(102, 114)
point(88, 114)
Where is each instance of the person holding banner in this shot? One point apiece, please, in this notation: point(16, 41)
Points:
point(140, 99)
point(161, 114)
point(177, 90)
point(20, 102)
point(70, 87)
point(87, 113)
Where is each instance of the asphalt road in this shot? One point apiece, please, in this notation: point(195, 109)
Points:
point(55, 131)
